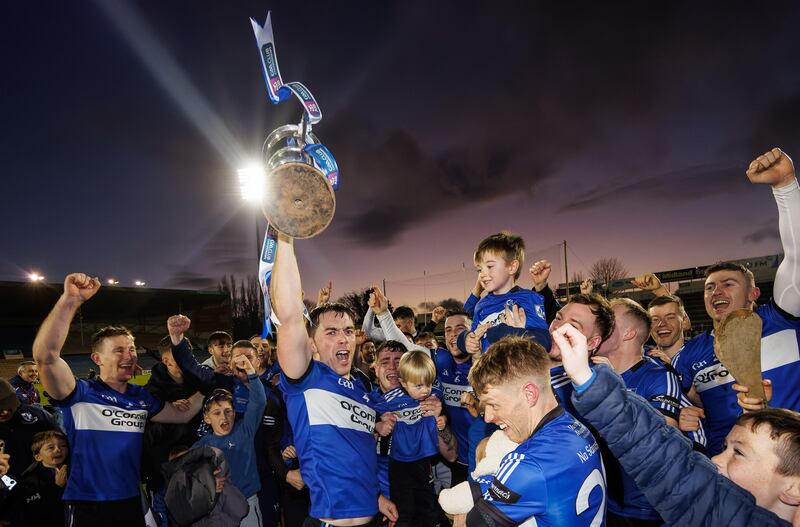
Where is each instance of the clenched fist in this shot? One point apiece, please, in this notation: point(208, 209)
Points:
point(80, 287)
point(540, 272)
point(177, 325)
point(647, 281)
point(773, 168)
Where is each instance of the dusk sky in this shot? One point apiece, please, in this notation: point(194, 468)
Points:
point(624, 128)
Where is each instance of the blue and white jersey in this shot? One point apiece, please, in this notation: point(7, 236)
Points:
point(453, 379)
point(563, 388)
point(780, 362)
point(661, 388)
point(105, 430)
point(333, 424)
point(490, 310)
point(555, 476)
point(383, 448)
point(698, 437)
point(414, 437)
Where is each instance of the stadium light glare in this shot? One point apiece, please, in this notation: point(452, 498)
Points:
point(112, 281)
point(35, 277)
point(251, 182)
point(139, 283)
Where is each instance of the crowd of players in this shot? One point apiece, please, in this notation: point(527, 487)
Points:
point(532, 413)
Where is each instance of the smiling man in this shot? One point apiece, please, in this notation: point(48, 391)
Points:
point(730, 286)
point(669, 323)
point(555, 475)
point(102, 417)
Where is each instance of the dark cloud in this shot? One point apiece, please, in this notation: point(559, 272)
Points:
point(767, 232)
point(186, 279)
point(687, 184)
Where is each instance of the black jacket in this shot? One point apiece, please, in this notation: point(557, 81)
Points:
point(160, 438)
point(18, 434)
point(36, 499)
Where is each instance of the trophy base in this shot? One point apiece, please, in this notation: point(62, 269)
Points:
point(299, 202)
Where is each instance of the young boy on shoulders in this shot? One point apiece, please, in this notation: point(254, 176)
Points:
point(506, 308)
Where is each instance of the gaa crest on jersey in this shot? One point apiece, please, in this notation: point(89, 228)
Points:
point(28, 417)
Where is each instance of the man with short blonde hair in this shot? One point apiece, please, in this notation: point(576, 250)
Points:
point(555, 475)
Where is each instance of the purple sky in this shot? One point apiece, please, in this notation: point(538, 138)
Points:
point(623, 128)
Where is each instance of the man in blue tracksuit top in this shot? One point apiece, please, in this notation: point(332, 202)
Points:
point(331, 415)
point(748, 484)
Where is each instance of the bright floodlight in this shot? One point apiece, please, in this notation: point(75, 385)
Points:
point(112, 281)
point(251, 182)
point(139, 283)
point(35, 277)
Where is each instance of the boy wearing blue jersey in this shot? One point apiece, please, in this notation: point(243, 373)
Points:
point(730, 286)
point(330, 414)
point(555, 475)
point(100, 416)
point(415, 439)
point(499, 259)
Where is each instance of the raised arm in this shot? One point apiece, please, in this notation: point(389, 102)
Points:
point(650, 282)
point(775, 169)
point(380, 306)
point(369, 328)
point(258, 397)
point(172, 414)
point(294, 350)
point(54, 372)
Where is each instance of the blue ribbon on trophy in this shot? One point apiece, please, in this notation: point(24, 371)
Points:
point(301, 173)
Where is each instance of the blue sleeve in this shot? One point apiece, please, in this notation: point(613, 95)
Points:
point(295, 386)
point(686, 491)
point(517, 492)
point(684, 373)
point(461, 341)
point(663, 393)
point(76, 396)
point(197, 376)
point(469, 305)
point(255, 405)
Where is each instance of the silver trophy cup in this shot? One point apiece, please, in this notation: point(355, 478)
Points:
point(298, 199)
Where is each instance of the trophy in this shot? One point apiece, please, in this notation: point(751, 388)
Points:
point(301, 174)
point(299, 198)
